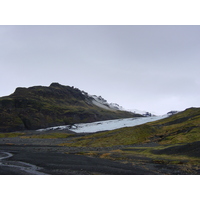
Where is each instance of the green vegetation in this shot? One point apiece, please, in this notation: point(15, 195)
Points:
point(183, 127)
point(143, 156)
point(125, 154)
point(184, 137)
point(165, 158)
point(123, 136)
point(8, 135)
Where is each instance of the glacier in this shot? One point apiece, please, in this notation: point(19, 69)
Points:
point(107, 124)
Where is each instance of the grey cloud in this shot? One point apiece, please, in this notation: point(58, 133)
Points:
point(143, 67)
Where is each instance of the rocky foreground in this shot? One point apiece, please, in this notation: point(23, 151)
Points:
point(45, 156)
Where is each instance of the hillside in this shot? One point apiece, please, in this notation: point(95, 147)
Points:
point(183, 127)
point(40, 107)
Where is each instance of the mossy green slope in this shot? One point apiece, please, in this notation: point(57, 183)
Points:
point(183, 127)
point(41, 107)
point(123, 136)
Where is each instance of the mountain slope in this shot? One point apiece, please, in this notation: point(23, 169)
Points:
point(183, 127)
point(40, 107)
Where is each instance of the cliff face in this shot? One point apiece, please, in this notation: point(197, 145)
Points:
point(41, 107)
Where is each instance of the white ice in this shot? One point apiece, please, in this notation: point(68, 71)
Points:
point(106, 125)
point(113, 124)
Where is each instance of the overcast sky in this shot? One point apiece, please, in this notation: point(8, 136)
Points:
point(152, 68)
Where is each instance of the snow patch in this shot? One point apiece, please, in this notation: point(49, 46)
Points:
point(104, 106)
point(101, 102)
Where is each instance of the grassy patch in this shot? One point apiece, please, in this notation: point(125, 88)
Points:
point(123, 136)
point(160, 159)
point(183, 137)
point(8, 135)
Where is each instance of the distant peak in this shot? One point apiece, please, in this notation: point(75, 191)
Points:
point(55, 84)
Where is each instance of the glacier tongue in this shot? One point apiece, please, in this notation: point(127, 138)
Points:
point(113, 124)
point(106, 125)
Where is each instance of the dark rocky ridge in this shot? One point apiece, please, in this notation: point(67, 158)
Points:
point(40, 107)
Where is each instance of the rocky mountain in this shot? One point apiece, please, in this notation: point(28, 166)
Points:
point(40, 107)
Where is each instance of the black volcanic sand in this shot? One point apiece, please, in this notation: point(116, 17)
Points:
point(60, 163)
point(59, 160)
